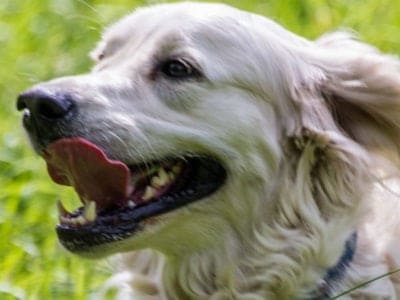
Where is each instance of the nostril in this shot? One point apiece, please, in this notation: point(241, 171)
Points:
point(53, 108)
point(45, 105)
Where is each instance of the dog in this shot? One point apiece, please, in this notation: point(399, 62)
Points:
point(220, 156)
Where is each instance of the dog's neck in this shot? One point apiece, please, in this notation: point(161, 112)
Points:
point(178, 272)
point(280, 272)
point(335, 274)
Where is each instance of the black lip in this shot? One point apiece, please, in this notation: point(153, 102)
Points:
point(205, 177)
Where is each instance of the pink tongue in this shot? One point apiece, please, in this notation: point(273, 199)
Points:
point(83, 165)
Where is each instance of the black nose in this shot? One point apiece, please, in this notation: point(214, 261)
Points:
point(44, 105)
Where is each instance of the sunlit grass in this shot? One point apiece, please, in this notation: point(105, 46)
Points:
point(42, 39)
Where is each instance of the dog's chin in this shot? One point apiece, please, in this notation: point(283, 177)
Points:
point(120, 200)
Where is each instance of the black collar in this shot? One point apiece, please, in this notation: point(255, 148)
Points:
point(336, 273)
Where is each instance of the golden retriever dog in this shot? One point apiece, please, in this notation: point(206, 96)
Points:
point(224, 157)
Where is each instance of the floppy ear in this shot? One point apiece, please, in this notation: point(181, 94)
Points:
point(362, 92)
point(356, 92)
point(348, 109)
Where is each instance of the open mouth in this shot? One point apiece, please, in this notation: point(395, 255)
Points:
point(117, 198)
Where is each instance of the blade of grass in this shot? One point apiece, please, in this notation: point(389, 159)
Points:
point(364, 284)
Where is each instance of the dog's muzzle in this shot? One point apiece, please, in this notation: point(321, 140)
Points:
point(118, 196)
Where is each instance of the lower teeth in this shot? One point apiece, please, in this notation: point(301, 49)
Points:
point(88, 216)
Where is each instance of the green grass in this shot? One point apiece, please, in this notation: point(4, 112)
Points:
point(42, 39)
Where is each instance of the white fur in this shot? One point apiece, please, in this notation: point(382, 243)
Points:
point(309, 132)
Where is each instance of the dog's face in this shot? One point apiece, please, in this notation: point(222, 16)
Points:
point(159, 139)
point(201, 126)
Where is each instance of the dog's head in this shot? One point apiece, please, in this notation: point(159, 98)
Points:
point(200, 122)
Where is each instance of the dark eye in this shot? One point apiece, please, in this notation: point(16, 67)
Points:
point(177, 69)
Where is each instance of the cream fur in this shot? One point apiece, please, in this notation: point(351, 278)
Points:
point(309, 132)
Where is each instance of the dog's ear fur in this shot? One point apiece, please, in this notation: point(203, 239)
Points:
point(347, 110)
point(359, 94)
point(364, 94)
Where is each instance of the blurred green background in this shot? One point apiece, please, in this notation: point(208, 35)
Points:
point(42, 39)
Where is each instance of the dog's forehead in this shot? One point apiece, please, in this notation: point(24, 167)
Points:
point(164, 18)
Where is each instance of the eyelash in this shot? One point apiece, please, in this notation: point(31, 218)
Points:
point(177, 68)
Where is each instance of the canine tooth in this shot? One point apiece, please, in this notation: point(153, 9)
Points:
point(90, 211)
point(131, 204)
point(149, 193)
point(62, 211)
